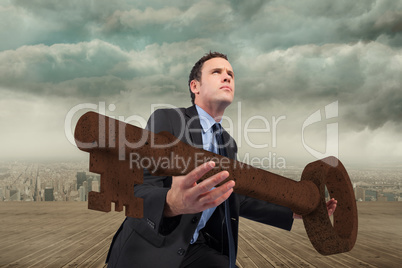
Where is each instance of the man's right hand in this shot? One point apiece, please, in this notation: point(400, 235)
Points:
point(186, 196)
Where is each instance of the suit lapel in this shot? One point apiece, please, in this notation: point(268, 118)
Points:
point(194, 127)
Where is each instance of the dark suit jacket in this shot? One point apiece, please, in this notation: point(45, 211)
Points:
point(155, 241)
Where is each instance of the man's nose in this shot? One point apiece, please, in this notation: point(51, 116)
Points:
point(226, 77)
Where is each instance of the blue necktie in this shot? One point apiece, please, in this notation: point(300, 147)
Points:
point(217, 130)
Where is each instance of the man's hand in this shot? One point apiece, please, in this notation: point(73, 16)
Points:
point(186, 196)
point(331, 206)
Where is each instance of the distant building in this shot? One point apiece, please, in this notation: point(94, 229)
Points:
point(37, 196)
point(95, 186)
point(97, 178)
point(89, 185)
point(371, 195)
point(360, 194)
point(390, 196)
point(49, 195)
point(85, 185)
point(382, 198)
point(74, 195)
point(15, 195)
point(81, 177)
point(82, 193)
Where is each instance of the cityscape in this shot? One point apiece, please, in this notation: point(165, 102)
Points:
point(71, 181)
point(34, 182)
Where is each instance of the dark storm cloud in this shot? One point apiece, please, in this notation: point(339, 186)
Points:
point(90, 69)
point(98, 68)
point(51, 22)
point(385, 106)
point(365, 79)
point(261, 25)
point(290, 57)
point(204, 19)
point(283, 24)
point(384, 18)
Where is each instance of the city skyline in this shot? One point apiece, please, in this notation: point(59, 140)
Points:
point(71, 181)
point(292, 61)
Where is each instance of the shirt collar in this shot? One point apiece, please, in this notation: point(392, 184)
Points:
point(206, 120)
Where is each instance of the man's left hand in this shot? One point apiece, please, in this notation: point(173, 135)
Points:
point(331, 206)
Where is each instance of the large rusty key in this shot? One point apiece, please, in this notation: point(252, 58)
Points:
point(119, 152)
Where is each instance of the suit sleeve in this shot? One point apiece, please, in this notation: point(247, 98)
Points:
point(265, 212)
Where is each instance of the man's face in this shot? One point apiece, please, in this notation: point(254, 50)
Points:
point(217, 86)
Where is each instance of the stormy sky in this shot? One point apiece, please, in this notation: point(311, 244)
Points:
point(59, 59)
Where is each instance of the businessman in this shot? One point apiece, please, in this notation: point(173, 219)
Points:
point(185, 223)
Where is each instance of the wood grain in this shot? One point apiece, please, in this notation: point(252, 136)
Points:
point(67, 234)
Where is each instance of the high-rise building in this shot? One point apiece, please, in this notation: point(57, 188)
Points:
point(82, 193)
point(81, 177)
point(360, 194)
point(97, 178)
point(95, 186)
point(89, 181)
point(49, 196)
point(85, 185)
point(36, 194)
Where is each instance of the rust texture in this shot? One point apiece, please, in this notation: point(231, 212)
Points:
point(113, 145)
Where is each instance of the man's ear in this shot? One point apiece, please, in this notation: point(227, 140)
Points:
point(195, 86)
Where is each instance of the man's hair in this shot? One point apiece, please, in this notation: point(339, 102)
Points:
point(196, 70)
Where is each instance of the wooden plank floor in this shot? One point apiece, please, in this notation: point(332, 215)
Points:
point(67, 234)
